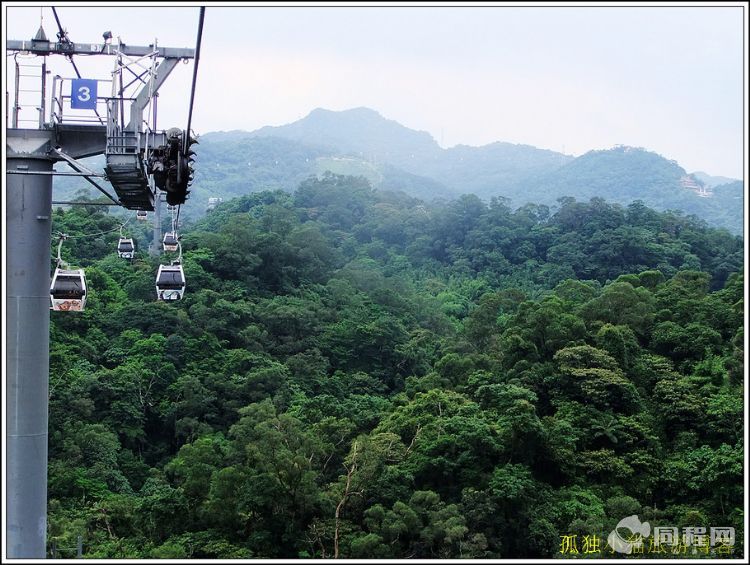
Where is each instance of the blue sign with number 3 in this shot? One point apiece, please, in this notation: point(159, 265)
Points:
point(83, 94)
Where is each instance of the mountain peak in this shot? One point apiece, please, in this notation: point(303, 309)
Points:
point(358, 111)
point(358, 130)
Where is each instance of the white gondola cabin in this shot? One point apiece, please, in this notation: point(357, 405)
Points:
point(126, 248)
point(141, 215)
point(68, 290)
point(170, 282)
point(170, 241)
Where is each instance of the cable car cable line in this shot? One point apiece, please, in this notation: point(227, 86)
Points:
point(75, 203)
point(63, 36)
point(179, 166)
point(94, 234)
point(170, 279)
point(195, 67)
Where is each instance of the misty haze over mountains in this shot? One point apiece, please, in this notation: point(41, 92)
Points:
point(393, 157)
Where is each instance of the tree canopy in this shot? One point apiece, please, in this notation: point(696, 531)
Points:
point(358, 374)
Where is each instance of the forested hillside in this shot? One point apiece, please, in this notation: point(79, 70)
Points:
point(624, 174)
point(521, 173)
point(360, 374)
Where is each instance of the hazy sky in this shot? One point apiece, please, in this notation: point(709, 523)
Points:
point(570, 79)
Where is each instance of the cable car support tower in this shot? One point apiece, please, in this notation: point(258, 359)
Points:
point(84, 117)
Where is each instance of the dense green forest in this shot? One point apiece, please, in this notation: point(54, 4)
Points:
point(357, 373)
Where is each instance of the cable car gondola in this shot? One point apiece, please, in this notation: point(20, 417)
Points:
point(170, 241)
point(141, 215)
point(68, 290)
point(170, 282)
point(126, 248)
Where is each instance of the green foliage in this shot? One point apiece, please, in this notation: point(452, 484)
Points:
point(361, 375)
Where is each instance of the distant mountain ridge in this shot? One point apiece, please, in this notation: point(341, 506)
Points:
point(520, 173)
point(393, 157)
point(364, 133)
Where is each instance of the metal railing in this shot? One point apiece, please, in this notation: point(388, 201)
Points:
point(37, 104)
point(61, 110)
point(122, 142)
